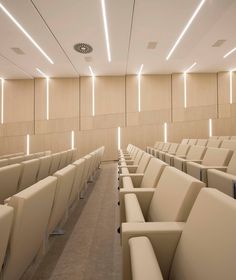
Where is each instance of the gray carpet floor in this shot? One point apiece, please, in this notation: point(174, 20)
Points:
point(90, 248)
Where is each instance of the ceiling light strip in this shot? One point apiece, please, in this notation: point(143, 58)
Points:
point(185, 29)
point(2, 100)
point(25, 33)
point(191, 67)
point(106, 29)
point(229, 53)
point(47, 98)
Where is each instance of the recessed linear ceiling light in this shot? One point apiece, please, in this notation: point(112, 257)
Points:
point(42, 73)
point(185, 29)
point(151, 45)
point(106, 29)
point(140, 70)
point(218, 43)
point(230, 52)
point(186, 71)
point(25, 33)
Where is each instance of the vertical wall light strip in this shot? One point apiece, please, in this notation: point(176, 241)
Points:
point(210, 127)
point(106, 29)
point(27, 144)
point(230, 87)
point(72, 139)
point(2, 100)
point(93, 95)
point(185, 90)
point(165, 132)
point(118, 138)
point(47, 98)
point(139, 88)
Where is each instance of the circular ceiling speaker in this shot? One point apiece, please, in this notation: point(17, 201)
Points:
point(83, 48)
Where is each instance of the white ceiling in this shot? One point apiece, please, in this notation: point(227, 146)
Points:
point(56, 25)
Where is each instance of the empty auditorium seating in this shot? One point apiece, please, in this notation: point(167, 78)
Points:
point(3, 162)
point(192, 141)
point(162, 149)
point(214, 143)
point(175, 250)
point(195, 153)
point(55, 163)
point(9, 180)
point(148, 179)
point(180, 152)
point(139, 168)
point(32, 208)
point(133, 161)
point(17, 159)
point(213, 158)
point(44, 167)
point(229, 144)
point(201, 142)
point(171, 151)
point(184, 141)
point(29, 173)
point(224, 181)
point(63, 160)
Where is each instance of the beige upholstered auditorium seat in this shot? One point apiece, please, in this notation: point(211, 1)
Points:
point(6, 219)
point(201, 142)
point(201, 249)
point(71, 156)
point(65, 179)
point(32, 208)
point(135, 162)
point(224, 137)
point(139, 168)
point(195, 153)
point(63, 160)
point(229, 144)
point(214, 137)
point(180, 152)
point(11, 155)
point(171, 151)
point(148, 179)
point(56, 158)
point(214, 158)
point(3, 162)
point(130, 153)
point(29, 157)
point(192, 141)
point(159, 148)
point(29, 173)
point(78, 180)
point(184, 141)
point(130, 156)
point(233, 137)
point(9, 180)
point(213, 143)
point(171, 200)
point(17, 159)
point(126, 152)
point(162, 148)
point(150, 149)
point(224, 181)
point(44, 167)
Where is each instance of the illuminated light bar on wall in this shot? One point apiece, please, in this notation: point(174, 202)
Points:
point(106, 29)
point(185, 29)
point(93, 91)
point(231, 86)
point(27, 144)
point(72, 139)
point(118, 138)
point(25, 33)
point(165, 132)
point(2, 100)
point(47, 92)
point(229, 53)
point(139, 87)
point(185, 83)
point(210, 127)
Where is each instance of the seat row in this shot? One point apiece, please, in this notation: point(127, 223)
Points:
point(31, 216)
point(16, 177)
point(172, 226)
point(11, 155)
point(18, 158)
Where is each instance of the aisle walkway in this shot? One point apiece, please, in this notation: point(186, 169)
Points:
point(90, 248)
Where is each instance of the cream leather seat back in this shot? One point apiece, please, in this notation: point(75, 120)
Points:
point(143, 163)
point(56, 158)
point(192, 141)
point(216, 157)
point(174, 196)
point(63, 159)
point(182, 150)
point(65, 179)
point(17, 159)
point(231, 169)
point(195, 153)
point(233, 137)
point(184, 141)
point(77, 184)
point(87, 167)
point(201, 142)
point(214, 143)
point(173, 148)
point(69, 156)
point(9, 180)
point(138, 157)
point(29, 173)
point(229, 144)
point(152, 173)
point(3, 162)
point(44, 167)
point(206, 249)
point(74, 154)
point(6, 219)
point(224, 137)
point(32, 208)
point(29, 157)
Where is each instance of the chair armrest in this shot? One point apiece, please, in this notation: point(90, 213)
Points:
point(204, 168)
point(132, 180)
point(136, 179)
point(144, 196)
point(133, 212)
point(132, 168)
point(164, 237)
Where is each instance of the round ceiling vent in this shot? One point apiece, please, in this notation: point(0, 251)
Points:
point(83, 48)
